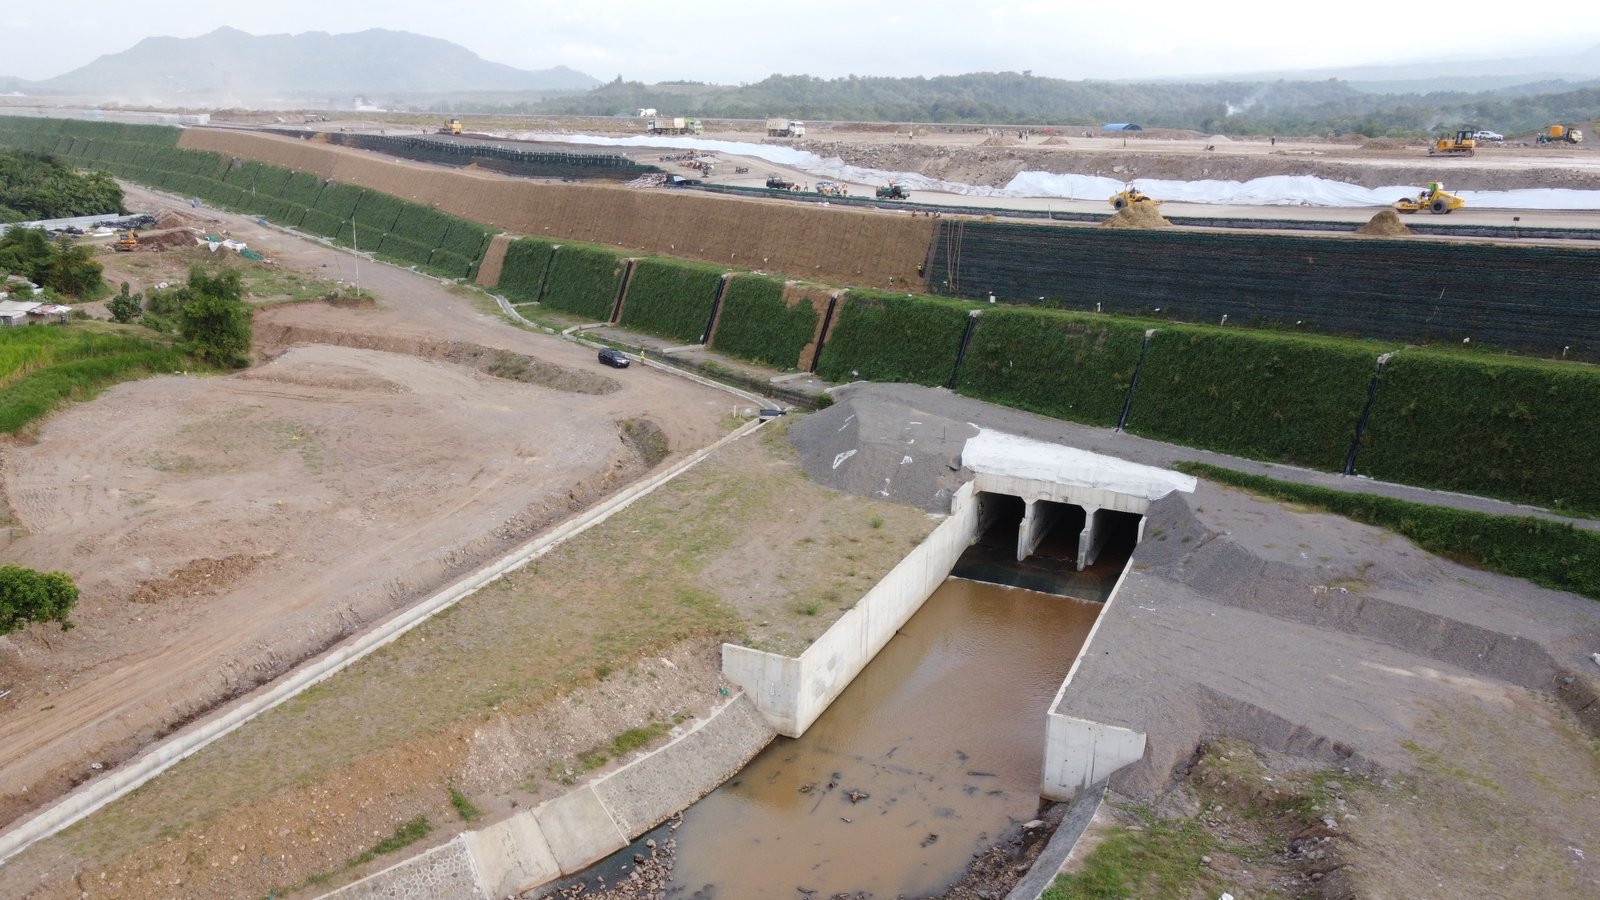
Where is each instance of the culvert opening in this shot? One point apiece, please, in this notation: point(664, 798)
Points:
point(1066, 549)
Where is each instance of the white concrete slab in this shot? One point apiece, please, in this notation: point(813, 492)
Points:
point(578, 829)
point(512, 856)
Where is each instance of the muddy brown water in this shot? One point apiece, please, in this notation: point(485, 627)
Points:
point(932, 755)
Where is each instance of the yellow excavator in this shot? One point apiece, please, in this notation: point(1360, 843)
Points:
point(1124, 199)
point(1463, 144)
point(1434, 198)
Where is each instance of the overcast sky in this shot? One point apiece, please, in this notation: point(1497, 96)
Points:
point(727, 42)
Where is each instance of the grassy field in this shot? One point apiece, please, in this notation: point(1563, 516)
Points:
point(743, 548)
point(43, 366)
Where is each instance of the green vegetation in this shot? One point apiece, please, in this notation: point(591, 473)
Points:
point(27, 596)
point(756, 324)
point(465, 808)
point(584, 280)
point(404, 836)
point(1071, 366)
point(1518, 429)
point(1287, 398)
point(671, 298)
point(1552, 554)
point(894, 337)
point(37, 185)
point(527, 260)
point(1160, 859)
point(62, 265)
point(42, 367)
point(1279, 107)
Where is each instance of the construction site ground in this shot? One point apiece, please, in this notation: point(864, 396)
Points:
point(225, 527)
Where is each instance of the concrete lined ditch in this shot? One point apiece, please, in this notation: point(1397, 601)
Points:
point(930, 757)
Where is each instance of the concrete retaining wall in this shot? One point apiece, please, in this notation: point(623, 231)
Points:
point(793, 692)
point(1078, 752)
point(95, 794)
point(583, 826)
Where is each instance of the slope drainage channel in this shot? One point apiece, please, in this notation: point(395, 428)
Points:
point(934, 753)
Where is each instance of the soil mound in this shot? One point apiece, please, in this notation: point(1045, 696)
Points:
point(1054, 141)
point(1139, 215)
point(1001, 142)
point(1385, 224)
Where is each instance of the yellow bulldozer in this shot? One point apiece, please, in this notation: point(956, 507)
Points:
point(1462, 144)
point(1434, 198)
point(451, 127)
point(127, 241)
point(1124, 199)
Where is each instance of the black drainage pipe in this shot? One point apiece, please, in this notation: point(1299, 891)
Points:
point(1127, 401)
point(544, 279)
point(822, 335)
point(1366, 414)
point(961, 352)
point(716, 304)
point(622, 291)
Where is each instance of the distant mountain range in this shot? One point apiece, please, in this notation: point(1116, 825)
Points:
point(229, 67)
point(1457, 74)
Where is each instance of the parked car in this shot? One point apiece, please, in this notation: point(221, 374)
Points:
point(1494, 136)
point(614, 358)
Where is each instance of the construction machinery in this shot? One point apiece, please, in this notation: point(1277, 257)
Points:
point(833, 189)
point(1126, 198)
point(1434, 198)
point(894, 191)
point(451, 127)
point(1462, 144)
point(786, 128)
point(674, 125)
point(1560, 134)
point(127, 241)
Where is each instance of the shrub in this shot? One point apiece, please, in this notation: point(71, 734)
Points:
point(756, 324)
point(1070, 366)
point(527, 260)
point(894, 337)
point(670, 298)
point(584, 280)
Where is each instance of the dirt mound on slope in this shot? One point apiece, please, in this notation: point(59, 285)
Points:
point(1137, 215)
point(1385, 224)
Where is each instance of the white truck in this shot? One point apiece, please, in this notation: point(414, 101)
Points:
point(786, 128)
point(678, 125)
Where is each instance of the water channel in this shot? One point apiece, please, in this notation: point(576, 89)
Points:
point(933, 754)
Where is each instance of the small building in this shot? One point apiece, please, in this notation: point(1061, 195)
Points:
point(15, 312)
point(1121, 126)
point(16, 285)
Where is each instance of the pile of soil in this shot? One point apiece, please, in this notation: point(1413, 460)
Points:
point(1138, 215)
point(166, 239)
point(1001, 142)
point(1054, 141)
point(1385, 224)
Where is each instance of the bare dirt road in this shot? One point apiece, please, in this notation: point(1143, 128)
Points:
point(222, 528)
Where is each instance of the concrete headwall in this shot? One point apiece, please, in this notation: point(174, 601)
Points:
point(1078, 752)
point(581, 827)
point(821, 243)
point(793, 692)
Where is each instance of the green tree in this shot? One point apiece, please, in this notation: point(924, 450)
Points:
point(125, 307)
point(27, 596)
point(214, 319)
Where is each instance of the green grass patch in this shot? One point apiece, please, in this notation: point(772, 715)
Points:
point(1285, 398)
point(1522, 430)
point(1551, 554)
point(405, 835)
point(671, 299)
point(1071, 366)
point(41, 372)
point(894, 337)
point(756, 324)
point(1161, 859)
point(464, 806)
point(527, 260)
point(584, 280)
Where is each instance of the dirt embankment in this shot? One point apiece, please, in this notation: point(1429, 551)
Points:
point(995, 166)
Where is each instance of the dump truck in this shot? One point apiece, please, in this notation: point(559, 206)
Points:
point(786, 128)
point(1560, 134)
point(1461, 144)
point(893, 191)
point(673, 125)
point(1434, 198)
point(1126, 198)
point(127, 241)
